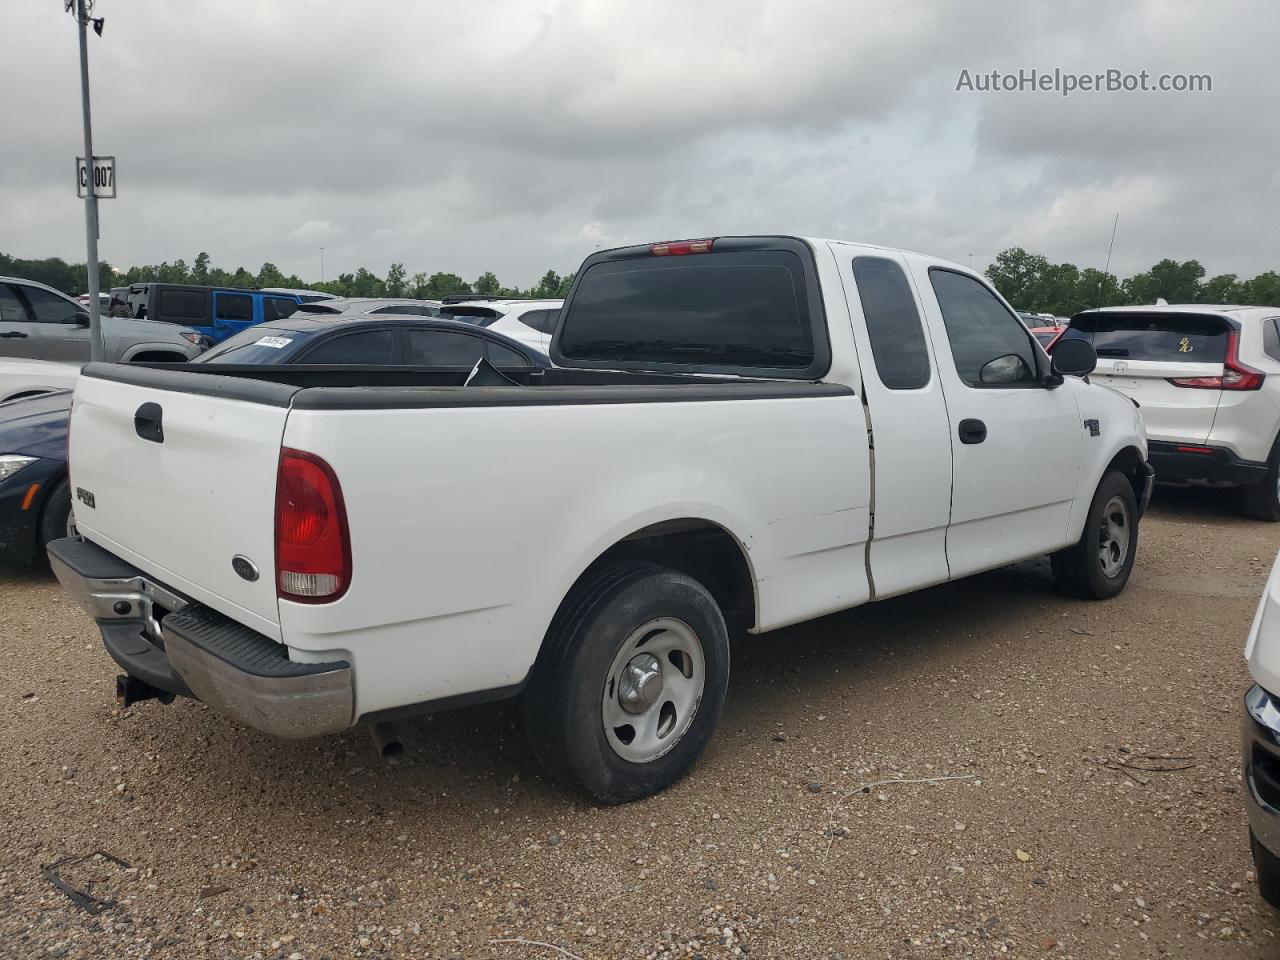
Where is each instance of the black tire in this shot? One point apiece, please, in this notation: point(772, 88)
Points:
point(1267, 865)
point(565, 705)
point(1079, 570)
point(56, 513)
point(1261, 501)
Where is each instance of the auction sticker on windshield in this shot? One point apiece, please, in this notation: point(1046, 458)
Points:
point(276, 342)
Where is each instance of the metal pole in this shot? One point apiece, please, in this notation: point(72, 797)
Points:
point(97, 347)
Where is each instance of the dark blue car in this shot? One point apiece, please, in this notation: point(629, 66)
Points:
point(35, 499)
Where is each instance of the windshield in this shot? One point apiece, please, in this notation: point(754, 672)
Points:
point(1167, 337)
point(256, 345)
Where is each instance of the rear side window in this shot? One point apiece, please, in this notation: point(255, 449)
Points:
point(980, 330)
point(184, 306)
point(1271, 338)
point(1166, 337)
point(738, 309)
point(893, 323)
point(440, 348)
point(501, 356)
point(233, 306)
point(12, 310)
point(373, 348)
point(277, 308)
point(544, 321)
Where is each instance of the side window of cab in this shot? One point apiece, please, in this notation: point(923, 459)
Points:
point(990, 345)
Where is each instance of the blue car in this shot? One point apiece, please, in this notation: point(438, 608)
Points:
point(216, 312)
point(35, 498)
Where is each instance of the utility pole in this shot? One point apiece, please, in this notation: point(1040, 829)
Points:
point(97, 347)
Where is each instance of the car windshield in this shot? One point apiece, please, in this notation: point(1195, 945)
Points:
point(259, 344)
point(1153, 336)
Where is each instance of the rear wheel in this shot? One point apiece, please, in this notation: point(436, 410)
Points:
point(1267, 865)
point(1261, 501)
point(1098, 566)
point(630, 683)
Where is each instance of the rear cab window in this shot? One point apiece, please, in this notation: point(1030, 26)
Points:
point(1158, 337)
point(748, 306)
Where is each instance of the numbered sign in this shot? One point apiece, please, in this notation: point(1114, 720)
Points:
point(104, 177)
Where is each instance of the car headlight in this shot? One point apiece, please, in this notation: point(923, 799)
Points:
point(198, 339)
point(11, 463)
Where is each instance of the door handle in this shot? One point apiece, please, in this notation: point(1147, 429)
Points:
point(972, 431)
point(148, 422)
point(13, 334)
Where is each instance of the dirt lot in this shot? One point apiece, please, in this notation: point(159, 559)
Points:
point(241, 846)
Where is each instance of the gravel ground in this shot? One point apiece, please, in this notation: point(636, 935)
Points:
point(1039, 845)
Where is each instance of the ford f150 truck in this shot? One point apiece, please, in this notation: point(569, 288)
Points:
point(740, 433)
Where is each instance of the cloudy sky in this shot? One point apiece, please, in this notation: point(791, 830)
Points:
point(517, 136)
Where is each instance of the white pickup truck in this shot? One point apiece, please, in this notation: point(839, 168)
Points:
point(741, 433)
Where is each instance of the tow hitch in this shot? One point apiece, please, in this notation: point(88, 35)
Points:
point(131, 690)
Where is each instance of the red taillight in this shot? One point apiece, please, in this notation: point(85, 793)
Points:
point(680, 248)
point(313, 546)
point(1235, 375)
point(1188, 449)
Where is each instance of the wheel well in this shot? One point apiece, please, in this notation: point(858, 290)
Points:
point(704, 551)
point(1129, 462)
point(158, 356)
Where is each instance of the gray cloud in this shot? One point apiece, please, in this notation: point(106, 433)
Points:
point(517, 135)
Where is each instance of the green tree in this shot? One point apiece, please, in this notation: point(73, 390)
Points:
point(1016, 274)
point(1223, 288)
point(270, 276)
point(1175, 282)
point(444, 284)
point(1262, 291)
point(487, 285)
point(396, 284)
point(200, 271)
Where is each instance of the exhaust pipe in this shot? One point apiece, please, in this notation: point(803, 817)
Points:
point(386, 740)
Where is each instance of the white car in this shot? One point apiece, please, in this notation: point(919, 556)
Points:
point(1262, 739)
point(1208, 382)
point(532, 322)
point(27, 378)
point(308, 549)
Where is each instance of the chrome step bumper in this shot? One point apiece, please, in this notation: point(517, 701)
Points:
point(180, 646)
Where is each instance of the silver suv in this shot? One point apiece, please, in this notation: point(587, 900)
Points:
point(38, 322)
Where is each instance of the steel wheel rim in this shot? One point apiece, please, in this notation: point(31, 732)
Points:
point(1113, 537)
point(653, 689)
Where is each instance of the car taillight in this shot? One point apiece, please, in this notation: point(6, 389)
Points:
point(1235, 375)
point(313, 545)
point(680, 248)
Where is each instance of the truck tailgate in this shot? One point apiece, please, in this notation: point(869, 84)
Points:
point(182, 500)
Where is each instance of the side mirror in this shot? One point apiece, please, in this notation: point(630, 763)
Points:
point(1074, 358)
point(80, 318)
point(1010, 368)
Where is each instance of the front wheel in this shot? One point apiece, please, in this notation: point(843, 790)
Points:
point(1098, 566)
point(1267, 865)
point(630, 683)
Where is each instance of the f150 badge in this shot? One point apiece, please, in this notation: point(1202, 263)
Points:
point(1094, 427)
point(85, 497)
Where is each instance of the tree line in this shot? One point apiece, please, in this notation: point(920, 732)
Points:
point(1030, 282)
point(72, 278)
point(1027, 280)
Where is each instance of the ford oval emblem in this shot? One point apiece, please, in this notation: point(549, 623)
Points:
point(245, 568)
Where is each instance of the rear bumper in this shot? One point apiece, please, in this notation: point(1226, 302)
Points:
point(181, 647)
point(1194, 461)
point(1261, 743)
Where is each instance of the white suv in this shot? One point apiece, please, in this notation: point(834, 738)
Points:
point(530, 321)
point(1207, 379)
